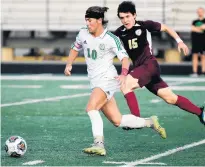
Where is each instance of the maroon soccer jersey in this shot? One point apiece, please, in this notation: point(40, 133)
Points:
point(137, 40)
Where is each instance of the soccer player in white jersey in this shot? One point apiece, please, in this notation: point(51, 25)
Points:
point(100, 47)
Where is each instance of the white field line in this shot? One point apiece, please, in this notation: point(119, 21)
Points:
point(75, 86)
point(154, 163)
point(148, 163)
point(45, 99)
point(155, 100)
point(176, 83)
point(180, 88)
point(157, 156)
point(48, 78)
point(187, 79)
point(85, 78)
point(34, 162)
point(22, 86)
point(188, 88)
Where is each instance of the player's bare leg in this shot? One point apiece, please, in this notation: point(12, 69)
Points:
point(182, 102)
point(167, 95)
point(111, 111)
point(203, 64)
point(195, 65)
point(97, 99)
point(129, 84)
point(127, 88)
point(113, 114)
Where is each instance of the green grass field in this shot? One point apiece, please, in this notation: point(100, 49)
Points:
point(49, 113)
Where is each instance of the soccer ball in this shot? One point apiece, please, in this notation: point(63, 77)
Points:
point(15, 146)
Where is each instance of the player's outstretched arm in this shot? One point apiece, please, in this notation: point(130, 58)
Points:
point(72, 56)
point(171, 32)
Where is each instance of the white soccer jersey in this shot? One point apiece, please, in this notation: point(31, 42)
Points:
point(99, 53)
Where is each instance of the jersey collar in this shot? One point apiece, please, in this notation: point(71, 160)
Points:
point(136, 24)
point(103, 34)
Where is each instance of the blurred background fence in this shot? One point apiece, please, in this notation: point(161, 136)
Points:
point(38, 31)
point(68, 15)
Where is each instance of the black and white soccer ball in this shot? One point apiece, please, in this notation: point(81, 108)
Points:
point(15, 146)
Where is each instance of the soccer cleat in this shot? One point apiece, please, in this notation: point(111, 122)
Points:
point(202, 115)
point(97, 148)
point(158, 128)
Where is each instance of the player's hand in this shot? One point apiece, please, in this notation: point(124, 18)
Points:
point(120, 78)
point(68, 69)
point(182, 46)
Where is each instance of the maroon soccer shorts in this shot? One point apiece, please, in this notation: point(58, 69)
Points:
point(148, 75)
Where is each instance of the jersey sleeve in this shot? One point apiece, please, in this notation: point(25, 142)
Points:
point(77, 45)
point(152, 26)
point(118, 48)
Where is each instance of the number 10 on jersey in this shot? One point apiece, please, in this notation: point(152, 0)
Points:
point(132, 43)
point(93, 54)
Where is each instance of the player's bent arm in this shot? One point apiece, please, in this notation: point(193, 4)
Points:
point(171, 32)
point(196, 29)
point(72, 56)
point(202, 27)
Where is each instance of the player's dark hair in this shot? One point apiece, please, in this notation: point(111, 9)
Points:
point(125, 7)
point(97, 12)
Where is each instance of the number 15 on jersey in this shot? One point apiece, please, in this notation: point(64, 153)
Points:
point(132, 43)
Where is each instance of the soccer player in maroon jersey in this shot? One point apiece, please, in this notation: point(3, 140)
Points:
point(136, 38)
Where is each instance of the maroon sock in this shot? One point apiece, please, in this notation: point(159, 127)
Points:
point(132, 103)
point(187, 105)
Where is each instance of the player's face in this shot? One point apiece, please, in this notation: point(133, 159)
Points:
point(127, 19)
point(92, 24)
point(200, 12)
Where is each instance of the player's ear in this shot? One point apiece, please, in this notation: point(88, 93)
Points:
point(99, 20)
point(135, 15)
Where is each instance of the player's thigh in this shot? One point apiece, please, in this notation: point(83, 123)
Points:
point(145, 72)
point(156, 84)
point(111, 111)
point(162, 90)
point(97, 99)
point(129, 84)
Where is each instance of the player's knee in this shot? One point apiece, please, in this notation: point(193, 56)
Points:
point(171, 99)
point(124, 89)
point(90, 107)
point(116, 122)
point(131, 83)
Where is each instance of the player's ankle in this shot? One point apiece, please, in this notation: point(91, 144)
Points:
point(149, 123)
point(99, 139)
